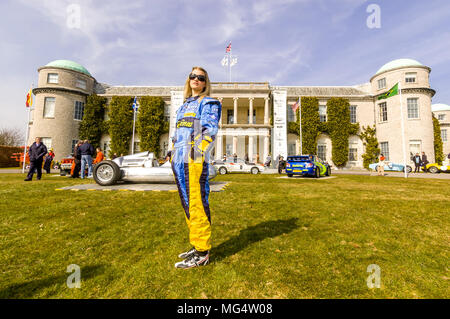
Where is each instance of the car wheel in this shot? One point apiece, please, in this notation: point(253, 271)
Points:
point(254, 170)
point(328, 172)
point(222, 171)
point(62, 172)
point(106, 173)
point(317, 173)
point(408, 169)
point(433, 169)
point(290, 175)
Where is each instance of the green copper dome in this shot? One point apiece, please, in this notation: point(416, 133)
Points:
point(440, 107)
point(66, 64)
point(400, 63)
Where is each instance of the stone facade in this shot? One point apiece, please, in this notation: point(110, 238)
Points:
point(255, 115)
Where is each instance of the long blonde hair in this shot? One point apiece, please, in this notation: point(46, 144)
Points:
point(187, 92)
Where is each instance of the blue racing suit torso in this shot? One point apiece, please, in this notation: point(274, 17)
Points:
point(197, 124)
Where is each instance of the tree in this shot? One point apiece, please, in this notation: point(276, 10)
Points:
point(438, 145)
point(370, 141)
point(120, 124)
point(11, 137)
point(150, 123)
point(92, 126)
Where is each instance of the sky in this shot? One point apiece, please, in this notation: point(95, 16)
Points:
point(283, 42)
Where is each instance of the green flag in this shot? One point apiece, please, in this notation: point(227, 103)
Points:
point(393, 91)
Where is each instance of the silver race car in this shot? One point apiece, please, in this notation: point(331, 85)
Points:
point(141, 167)
point(241, 166)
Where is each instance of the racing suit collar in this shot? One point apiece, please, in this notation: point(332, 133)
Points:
point(192, 98)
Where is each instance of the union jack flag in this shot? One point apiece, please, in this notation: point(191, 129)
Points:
point(228, 48)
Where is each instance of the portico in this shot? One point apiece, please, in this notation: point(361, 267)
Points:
point(244, 127)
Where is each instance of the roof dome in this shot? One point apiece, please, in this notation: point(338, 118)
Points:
point(440, 107)
point(66, 64)
point(399, 63)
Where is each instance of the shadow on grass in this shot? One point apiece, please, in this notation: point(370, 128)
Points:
point(30, 288)
point(252, 235)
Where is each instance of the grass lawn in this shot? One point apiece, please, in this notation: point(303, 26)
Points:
point(272, 238)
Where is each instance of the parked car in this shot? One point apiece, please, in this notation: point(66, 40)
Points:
point(436, 168)
point(393, 167)
point(65, 165)
point(237, 166)
point(307, 165)
point(141, 167)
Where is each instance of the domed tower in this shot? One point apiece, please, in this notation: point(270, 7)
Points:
point(63, 87)
point(413, 78)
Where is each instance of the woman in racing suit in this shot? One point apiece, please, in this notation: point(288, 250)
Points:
point(196, 128)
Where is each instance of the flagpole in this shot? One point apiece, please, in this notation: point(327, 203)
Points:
point(300, 124)
point(26, 141)
point(134, 124)
point(26, 131)
point(403, 128)
point(229, 62)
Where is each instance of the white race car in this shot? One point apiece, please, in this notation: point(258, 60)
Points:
point(141, 167)
point(241, 166)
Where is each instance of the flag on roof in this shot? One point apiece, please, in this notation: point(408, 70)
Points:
point(29, 98)
point(228, 48)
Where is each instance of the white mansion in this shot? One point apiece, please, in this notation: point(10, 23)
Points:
point(255, 115)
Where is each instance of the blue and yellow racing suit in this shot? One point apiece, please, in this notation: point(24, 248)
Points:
point(197, 124)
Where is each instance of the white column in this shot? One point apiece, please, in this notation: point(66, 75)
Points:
point(219, 148)
point(235, 99)
point(250, 148)
point(266, 148)
point(266, 111)
point(250, 111)
point(235, 140)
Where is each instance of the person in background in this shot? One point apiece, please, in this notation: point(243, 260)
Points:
point(380, 166)
point(100, 157)
point(86, 150)
point(114, 156)
point(246, 158)
point(76, 165)
point(235, 157)
point(268, 161)
point(48, 161)
point(424, 162)
point(417, 162)
point(281, 164)
point(224, 157)
point(36, 153)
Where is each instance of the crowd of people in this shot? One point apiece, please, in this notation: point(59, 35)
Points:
point(83, 154)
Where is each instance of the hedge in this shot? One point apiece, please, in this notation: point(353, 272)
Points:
point(5, 156)
point(120, 124)
point(150, 123)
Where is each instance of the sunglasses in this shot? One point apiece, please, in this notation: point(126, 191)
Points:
point(201, 78)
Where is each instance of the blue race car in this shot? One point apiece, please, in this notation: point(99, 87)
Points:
point(307, 165)
point(393, 167)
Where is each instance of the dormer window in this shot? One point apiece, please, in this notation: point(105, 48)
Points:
point(81, 84)
point(52, 78)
